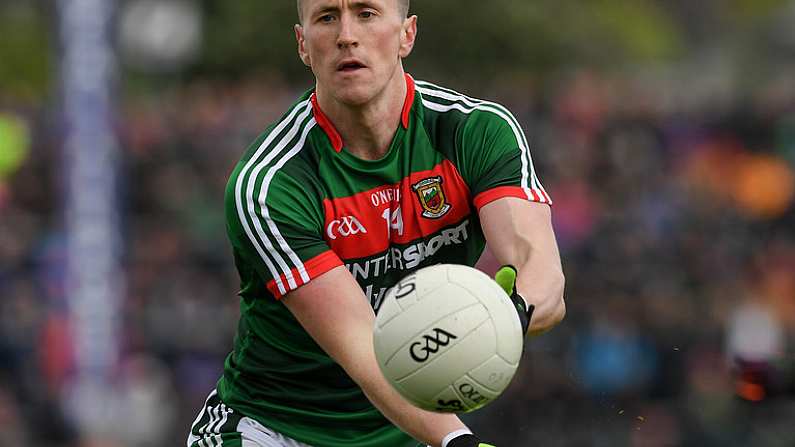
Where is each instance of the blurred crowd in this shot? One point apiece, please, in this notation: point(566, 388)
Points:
point(674, 210)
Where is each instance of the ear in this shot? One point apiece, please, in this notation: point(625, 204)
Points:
point(408, 34)
point(302, 53)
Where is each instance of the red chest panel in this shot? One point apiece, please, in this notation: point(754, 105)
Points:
point(420, 205)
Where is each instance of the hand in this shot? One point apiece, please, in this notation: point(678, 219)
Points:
point(467, 440)
point(506, 278)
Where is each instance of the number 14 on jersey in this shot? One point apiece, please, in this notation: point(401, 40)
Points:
point(394, 220)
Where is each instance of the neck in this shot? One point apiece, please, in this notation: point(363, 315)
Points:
point(367, 130)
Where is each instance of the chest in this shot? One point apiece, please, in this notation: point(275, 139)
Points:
point(426, 205)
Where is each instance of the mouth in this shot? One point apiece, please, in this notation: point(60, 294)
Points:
point(350, 65)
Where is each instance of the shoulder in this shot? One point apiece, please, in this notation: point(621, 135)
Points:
point(279, 160)
point(464, 115)
point(449, 105)
point(281, 136)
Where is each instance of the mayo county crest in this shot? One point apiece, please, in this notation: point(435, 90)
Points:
point(431, 197)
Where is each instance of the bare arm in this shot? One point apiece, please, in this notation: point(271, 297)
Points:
point(335, 312)
point(520, 233)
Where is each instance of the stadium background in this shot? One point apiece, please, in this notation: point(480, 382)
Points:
point(664, 130)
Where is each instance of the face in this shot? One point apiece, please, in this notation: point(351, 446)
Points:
point(354, 47)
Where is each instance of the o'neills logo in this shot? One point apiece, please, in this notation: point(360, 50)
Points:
point(431, 197)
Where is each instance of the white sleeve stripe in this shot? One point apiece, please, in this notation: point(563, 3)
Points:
point(461, 108)
point(472, 102)
point(251, 200)
point(429, 89)
point(518, 134)
point(302, 107)
point(528, 182)
point(266, 214)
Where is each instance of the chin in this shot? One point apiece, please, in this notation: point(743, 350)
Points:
point(355, 94)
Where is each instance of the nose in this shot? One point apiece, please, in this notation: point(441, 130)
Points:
point(347, 35)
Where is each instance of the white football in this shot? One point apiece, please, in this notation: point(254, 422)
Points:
point(447, 338)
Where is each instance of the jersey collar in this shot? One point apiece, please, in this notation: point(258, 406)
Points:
point(334, 136)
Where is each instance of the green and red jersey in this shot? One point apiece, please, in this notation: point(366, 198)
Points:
point(299, 204)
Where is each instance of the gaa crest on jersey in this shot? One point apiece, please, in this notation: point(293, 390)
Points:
point(431, 195)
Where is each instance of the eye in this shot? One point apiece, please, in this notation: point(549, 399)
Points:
point(326, 18)
point(366, 14)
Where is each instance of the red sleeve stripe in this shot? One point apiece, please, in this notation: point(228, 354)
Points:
point(315, 267)
point(506, 191)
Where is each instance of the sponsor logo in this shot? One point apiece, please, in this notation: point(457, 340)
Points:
point(431, 344)
point(432, 199)
point(409, 257)
point(347, 226)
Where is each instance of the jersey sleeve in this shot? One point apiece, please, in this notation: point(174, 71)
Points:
point(277, 229)
point(496, 159)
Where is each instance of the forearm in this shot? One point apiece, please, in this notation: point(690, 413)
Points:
point(342, 324)
point(521, 235)
point(424, 426)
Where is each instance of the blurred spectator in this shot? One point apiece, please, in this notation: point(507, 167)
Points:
point(755, 345)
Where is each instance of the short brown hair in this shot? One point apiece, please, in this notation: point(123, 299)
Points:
point(403, 7)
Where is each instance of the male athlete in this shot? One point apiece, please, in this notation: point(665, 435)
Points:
point(368, 177)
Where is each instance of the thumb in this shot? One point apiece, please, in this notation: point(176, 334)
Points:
point(506, 278)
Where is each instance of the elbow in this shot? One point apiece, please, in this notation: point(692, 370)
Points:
point(559, 313)
point(557, 310)
point(560, 303)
